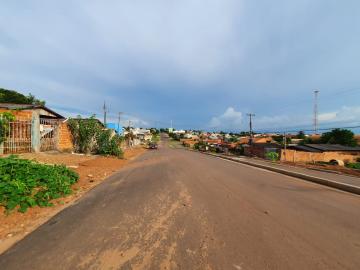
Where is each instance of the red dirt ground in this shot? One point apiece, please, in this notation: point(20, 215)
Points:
point(92, 171)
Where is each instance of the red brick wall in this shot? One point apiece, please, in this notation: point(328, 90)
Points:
point(306, 157)
point(65, 142)
point(19, 114)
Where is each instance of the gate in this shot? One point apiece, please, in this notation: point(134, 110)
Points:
point(49, 133)
point(17, 138)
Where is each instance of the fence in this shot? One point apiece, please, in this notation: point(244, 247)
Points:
point(17, 137)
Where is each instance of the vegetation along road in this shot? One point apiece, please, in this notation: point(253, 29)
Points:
point(176, 209)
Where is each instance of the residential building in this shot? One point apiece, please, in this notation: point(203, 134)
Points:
point(320, 153)
point(36, 128)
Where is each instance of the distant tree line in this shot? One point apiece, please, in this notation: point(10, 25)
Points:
point(336, 136)
point(11, 96)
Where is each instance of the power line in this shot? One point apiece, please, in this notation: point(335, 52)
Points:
point(305, 130)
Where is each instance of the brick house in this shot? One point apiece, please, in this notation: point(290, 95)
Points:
point(36, 128)
point(261, 149)
point(320, 153)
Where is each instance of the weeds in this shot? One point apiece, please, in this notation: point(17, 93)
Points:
point(26, 183)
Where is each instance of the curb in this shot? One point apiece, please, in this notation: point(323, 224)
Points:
point(314, 179)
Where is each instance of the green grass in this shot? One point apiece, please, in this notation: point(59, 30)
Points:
point(25, 183)
point(354, 165)
point(174, 144)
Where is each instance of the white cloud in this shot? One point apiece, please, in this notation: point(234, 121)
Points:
point(327, 116)
point(230, 119)
point(344, 114)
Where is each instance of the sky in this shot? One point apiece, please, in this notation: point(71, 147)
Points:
point(202, 64)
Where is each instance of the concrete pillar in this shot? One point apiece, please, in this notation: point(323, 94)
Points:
point(35, 132)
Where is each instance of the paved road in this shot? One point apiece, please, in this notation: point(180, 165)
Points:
point(175, 209)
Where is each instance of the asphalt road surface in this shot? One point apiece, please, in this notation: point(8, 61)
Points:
point(175, 209)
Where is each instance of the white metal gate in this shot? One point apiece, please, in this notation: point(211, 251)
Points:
point(49, 133)
point(17, 137)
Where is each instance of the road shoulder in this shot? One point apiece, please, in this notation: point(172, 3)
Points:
point(93, 170)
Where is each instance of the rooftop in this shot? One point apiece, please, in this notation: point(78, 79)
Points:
point(14, 106)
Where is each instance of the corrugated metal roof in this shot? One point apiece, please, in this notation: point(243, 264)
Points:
point(324, 148)
point(304, 148)
point(13, 106)
point(333, 147)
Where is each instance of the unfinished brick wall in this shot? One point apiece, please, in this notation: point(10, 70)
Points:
point(65, 140)
point(20, 115)
point(309, 157)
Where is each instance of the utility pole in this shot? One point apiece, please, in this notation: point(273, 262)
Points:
point(285, 146)
point(171, 124)
point(251, 115)
point(105, 111)
point(316, 93)
point(120, 113)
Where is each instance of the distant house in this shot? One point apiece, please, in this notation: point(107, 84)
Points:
point(189, 142)
point(140, 136)
point(246, 140)
point(320, 153)
point(261, 149)
point(118, 128)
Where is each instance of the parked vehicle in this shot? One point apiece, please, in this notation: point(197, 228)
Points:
point(153, 145)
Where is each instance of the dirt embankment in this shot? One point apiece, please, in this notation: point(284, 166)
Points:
point(92, 171)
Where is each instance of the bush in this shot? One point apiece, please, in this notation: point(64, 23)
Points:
point(90, 137)
point(273, 156)
point(26, 183)
point(353, 165)
point(84, 132)
point(339, 136)
point(109, 146)
point(5, 118)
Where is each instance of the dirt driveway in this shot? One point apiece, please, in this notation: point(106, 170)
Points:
point(92, 171)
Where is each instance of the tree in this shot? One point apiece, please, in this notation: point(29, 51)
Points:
point(84, 132)
point(339, 136)
point(5, 118)
point(11, 96)
point(300, 135)
point(280, 139)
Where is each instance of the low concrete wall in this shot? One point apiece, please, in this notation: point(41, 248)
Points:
point(310, 157)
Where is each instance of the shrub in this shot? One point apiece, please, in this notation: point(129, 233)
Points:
point(353, 165)
point(109, 145)
point(339, 136)
point(84, 132)
point(5, 118)
point(273, 156)
point(26, 183)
